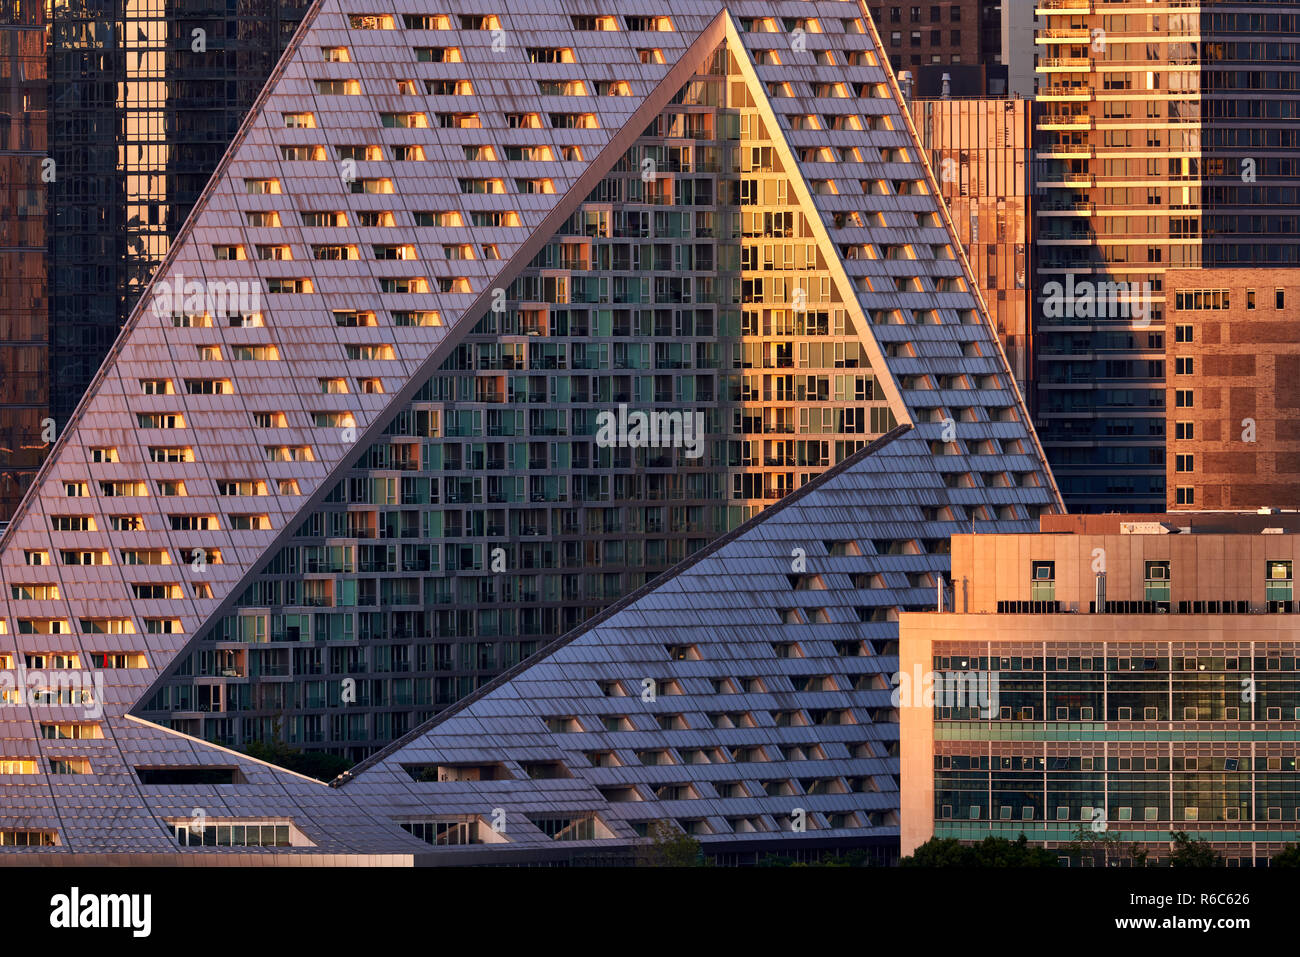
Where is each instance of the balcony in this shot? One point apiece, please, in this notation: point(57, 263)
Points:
point(1077, 34)
point(1069, 180)
point(1064, 122)
point(1082, 208)
point(1065, 63)
point(1066, 151)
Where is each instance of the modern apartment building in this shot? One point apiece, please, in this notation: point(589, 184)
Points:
point(1233, 392)
point(979, 150)
point(382, 420)
point(1168, 142)
point(24, 377)
point(1109, 679)
point(731, 701)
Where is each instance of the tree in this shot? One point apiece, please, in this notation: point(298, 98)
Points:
point(937, 852)
point(1186, 851)
point(1104, 848)
point(990, 852)
point(670, 846)
point(314, 764)
point(1289, 856)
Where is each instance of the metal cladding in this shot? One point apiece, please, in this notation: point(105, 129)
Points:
point(318, 288)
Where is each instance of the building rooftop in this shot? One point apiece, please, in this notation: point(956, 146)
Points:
point(1173, 523)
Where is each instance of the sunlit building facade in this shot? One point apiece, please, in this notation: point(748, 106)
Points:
point(979, 149)
point(1234, 359)
point(1167, 142)
point(369, 437)
point(1105, 683)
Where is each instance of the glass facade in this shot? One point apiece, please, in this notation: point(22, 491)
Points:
point(1147, 737)
point(147, 97)
point(24, 377)
point(495, 515)
point(980, 152)
point(1167, 140)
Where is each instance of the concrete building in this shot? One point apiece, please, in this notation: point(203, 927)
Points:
point(1111, 677)
point(956, 44)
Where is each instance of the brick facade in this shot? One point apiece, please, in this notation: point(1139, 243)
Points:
point(1233, 388)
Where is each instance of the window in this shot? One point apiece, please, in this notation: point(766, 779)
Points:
point(1184, 495)
point(1156, 581)
point(1042, 586)
point(1184, 365)
point(404, 121)
point(1278, 581)
point(338, 87)
point(437, 55)
point(1184, 399)
point(371, 21)
point(1183, 334)
point(1184, 430)
point(1184, 463)
point(1279, 299)
point(417, 21)
point(237, 834)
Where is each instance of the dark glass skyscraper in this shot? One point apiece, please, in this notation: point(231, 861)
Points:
point(146, 97)
point(24, 380)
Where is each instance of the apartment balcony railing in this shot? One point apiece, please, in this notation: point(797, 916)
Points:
point(1079, 122)
point(1066, 149)
point(1066, 62)
point(1068, 208)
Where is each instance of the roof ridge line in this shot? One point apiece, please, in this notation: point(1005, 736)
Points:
point(622, 604)
point(600, 165)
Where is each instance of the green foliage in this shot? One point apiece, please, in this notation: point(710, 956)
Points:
point(990, 852)
point(1189, 852)
point(1289, 856)
point(1104, 849)
point(314, 764)
point(670, 846)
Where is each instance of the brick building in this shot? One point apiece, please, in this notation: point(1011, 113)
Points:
point(1233, 388)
